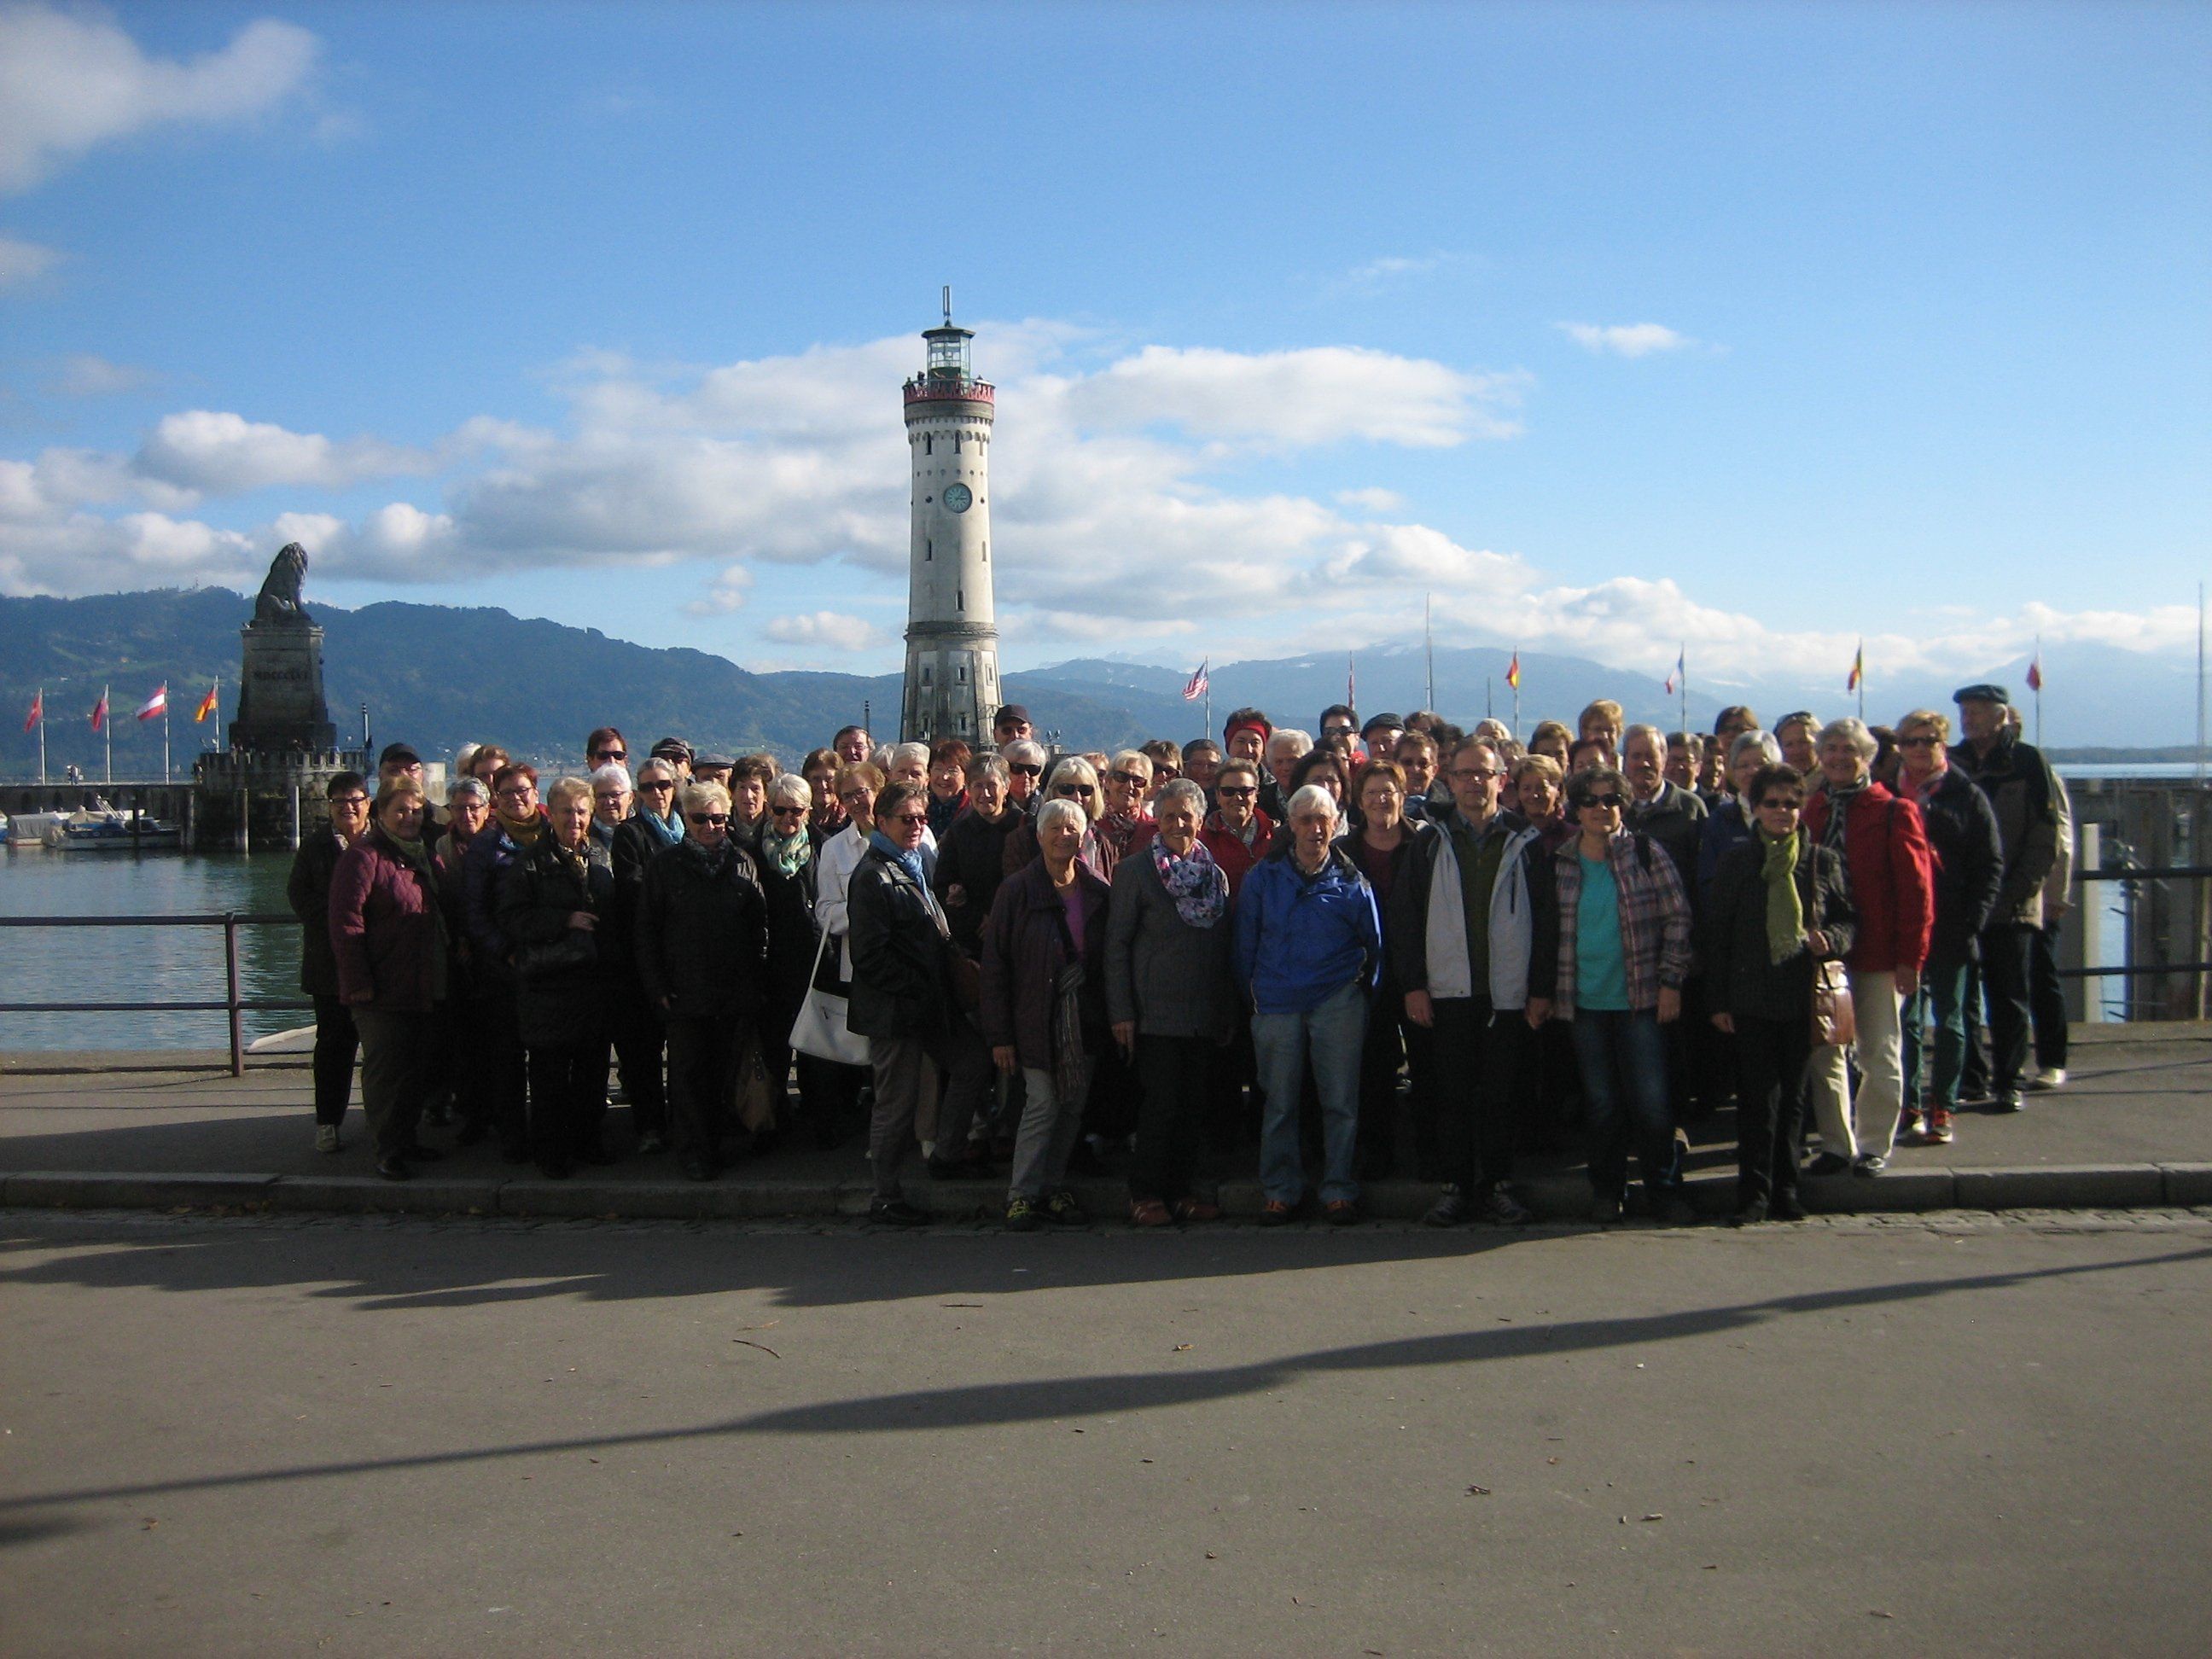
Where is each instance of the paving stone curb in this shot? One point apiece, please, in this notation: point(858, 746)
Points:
point(2057, 1187)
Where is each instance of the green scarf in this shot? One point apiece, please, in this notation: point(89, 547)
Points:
point(789, 854)
point(523, 831)
point(1785, 917)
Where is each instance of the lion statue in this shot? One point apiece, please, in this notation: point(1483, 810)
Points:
point(279, 598)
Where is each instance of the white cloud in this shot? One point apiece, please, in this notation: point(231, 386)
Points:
point(24, 261)
point(832, 629)
point(84, 374)
point(72, 79)
point(1627, 339)
point(1321, 394)
point(728, 593)
point(226, 454)
point(1372, 501)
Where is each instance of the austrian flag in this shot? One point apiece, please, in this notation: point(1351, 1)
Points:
point(155, 705)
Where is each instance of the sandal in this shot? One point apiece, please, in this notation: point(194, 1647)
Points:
point(1149, 1212)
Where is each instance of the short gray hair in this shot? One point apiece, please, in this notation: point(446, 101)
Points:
point(660, 768)
point(1180, 790)
point(792, 787)
point(988, 766)
point(1644, 729)
point(1853, 727)
point(706, 797)
point(905, 754)
point(1058, 808)
point(612, 772)
point(1289, 739)
point(466, 788)
point(1761, 742)
point(1310, 799)
point(1026, 751)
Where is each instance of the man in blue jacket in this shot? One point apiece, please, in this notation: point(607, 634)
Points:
point(1308, 947)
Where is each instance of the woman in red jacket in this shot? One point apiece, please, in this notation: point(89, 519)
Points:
point(1885, 848)
point(388, 933)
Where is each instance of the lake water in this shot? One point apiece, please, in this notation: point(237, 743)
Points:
point(142, 964)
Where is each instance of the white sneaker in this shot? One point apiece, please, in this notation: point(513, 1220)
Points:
point(327, 1137)
point(2051, 1077)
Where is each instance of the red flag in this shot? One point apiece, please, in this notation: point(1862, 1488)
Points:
point(99, 712)
point(2035, 673)
point(38, 711)
point(155, 705)
point(206, 707)
point(1194, 687)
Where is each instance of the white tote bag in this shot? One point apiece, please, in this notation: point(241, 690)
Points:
point(820, 1029)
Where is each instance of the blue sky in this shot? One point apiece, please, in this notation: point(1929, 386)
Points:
point(1761, 327)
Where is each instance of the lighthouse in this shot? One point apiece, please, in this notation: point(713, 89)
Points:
point(951, 634)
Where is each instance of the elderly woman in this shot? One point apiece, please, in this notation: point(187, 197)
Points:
point(1416, 755)
point(948, 783)
point(1043, 1009)
point(633, 1020)
point(701, 946)
point(1728, 825)
point(858, 786)
point(553, 900)
point(971, 855)
point(788, 874)
point(1123, 828)
point(1539, 788)
point(1285, 747)
point(1025, 764)
point(1382, 845)
point(1237, 832)
point(905, 1002)
point(1884, 845)
point(1171, 995)
point(1075, 778)
point(612, 798)
point(388, 937)
point(1308, 946)
point(820, 770)
point(1780, 904)
point(1610, 951)
point(1551, 738)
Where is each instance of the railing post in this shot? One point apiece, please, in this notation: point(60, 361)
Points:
point(230, 982)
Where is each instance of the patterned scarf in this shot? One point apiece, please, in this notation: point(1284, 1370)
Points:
point(789, 853)
point(1114, 829)
point(1196, 883)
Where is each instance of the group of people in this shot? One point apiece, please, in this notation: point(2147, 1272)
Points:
point(1002, 958)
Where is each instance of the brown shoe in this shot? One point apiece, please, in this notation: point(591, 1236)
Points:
point(1149, 1212)
point(1341, 1212)
point(1196, 1209)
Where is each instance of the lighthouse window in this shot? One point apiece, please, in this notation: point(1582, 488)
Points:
point(924, 677)
point(928, 445)
point(986, 552)
point(964, 676)
point(960, 598)
point(928, 551)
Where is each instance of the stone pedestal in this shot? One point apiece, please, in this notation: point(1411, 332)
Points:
point(280, 693)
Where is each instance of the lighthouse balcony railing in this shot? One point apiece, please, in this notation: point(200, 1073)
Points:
point(923, 389)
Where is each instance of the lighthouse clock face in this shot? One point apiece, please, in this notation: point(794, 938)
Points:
point(958, 497)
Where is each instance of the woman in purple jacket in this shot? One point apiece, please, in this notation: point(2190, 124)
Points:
point(388, 933)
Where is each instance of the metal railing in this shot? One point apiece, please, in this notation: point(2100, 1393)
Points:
point(233, 1004)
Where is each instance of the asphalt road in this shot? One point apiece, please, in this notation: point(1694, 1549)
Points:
point(307, 1434)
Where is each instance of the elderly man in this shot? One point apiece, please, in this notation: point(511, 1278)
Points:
point(1308, 946)
point(1380, 734)
point(1011, 725)
point(1285, 747)
point(851, 743)
point(2025, 795)
point(1885, 856)
point(1459, 939)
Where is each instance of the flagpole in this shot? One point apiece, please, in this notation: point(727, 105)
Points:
point(167, 773)
point(1683, 658)
point(108, 732)
point(1429, 650)
point(42, 736)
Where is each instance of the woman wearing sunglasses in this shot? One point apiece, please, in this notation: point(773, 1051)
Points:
point(702, 941)
point(1610, 953)
point(1075, 778)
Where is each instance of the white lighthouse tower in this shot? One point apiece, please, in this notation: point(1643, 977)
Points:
point(952, 631)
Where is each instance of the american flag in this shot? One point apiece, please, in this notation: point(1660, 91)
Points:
point(1196, 686)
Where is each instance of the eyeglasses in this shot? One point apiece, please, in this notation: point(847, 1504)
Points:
point(1126, 777)
point(610, 754)
point(1476, 774)
point(709, 820)
point(522, 794)
point(788, 812)
point(657, 783)
point(909, 818)
point(1606, 803)
point(861, 794)
point(1024, 771)
point(1918, 743)
point(349, 800)
point(1238, 791)
point(1781, 804)
point(1082, 789)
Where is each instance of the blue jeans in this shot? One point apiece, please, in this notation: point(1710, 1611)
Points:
point(1941, 998)
point(1623, 1055)
point(1332, 1035)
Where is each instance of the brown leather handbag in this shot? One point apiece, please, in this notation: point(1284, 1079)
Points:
point(1835, 1021)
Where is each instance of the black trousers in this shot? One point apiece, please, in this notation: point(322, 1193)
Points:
point(2005, 951)
point(1381, 1053)
point(499, 1092)
point(1480, 1062)
point(1176, 1074)
point(398, 1054)
point(336, 1041)
point(2046, 998)
point(1770, 1055)
point(635, 1026)
point(568, 1093)
point(702, 1069)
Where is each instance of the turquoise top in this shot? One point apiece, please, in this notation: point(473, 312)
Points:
point(1600, 965)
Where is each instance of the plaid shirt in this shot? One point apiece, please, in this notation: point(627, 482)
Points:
point(1655, 921)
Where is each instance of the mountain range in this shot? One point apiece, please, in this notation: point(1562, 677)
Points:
point(440, 676)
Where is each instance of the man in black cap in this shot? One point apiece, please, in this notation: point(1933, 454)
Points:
point(1380, 734)
point(2019, 782)
point(1010, 725)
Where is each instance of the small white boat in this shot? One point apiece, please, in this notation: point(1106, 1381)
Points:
point(29, 829)
point(100, 828)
